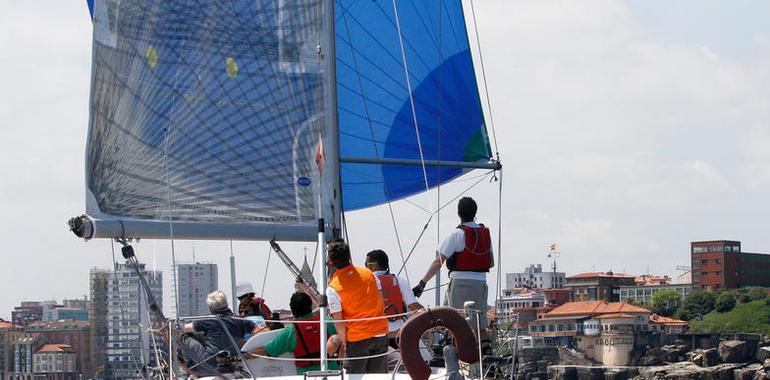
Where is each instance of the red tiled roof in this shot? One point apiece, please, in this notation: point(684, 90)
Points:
point(55, 348)
point(615, 315)
point(594, 308)
point(659, 319)
point(601, 274)
point(8, 325)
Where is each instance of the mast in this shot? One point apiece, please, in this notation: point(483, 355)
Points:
point(331, 207)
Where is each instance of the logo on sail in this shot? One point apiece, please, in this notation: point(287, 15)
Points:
point(303, 181)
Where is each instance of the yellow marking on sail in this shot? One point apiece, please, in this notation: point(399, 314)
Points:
point(232, 68)
point(152, 57)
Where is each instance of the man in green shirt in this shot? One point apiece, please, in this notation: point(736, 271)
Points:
point(302, 339)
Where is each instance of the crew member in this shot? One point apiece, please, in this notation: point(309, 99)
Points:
point(354, 293)
point(215, 335)
point(396, 293)
point(302, 339)
point(467, 252)
point(249, 304)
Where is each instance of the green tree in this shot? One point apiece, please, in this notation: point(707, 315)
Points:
point(757, 294)
point(665, 302)
point(725, 302)
point(696, 305)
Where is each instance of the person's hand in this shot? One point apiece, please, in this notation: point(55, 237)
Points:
point(417, 290)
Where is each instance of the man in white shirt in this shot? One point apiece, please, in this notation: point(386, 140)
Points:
point(467, 252)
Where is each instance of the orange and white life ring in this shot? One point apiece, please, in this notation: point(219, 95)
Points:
point(426, 319)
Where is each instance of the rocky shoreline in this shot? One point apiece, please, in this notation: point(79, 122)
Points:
point(730, 360)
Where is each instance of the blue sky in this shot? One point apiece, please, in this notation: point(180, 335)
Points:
point(627, 130)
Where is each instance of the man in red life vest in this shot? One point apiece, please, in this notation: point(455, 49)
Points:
point(396, 293)
point(302, 339)
point(467, 252)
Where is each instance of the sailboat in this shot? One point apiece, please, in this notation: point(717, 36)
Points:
point(268, 120)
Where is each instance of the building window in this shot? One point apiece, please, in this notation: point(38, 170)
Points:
point(704, 273)
point(718, 261)
point(704, 261)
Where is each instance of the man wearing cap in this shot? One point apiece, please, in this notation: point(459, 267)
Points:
point(249, 304)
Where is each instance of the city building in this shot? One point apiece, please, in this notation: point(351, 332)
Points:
point(534, 277)
point(606, 332)
point(54, 362)
point(524, 304)
point(9, 333)
point(73, 333)
point(684, 278)
point(643, 294)
point(97, 319)
point(195, 282)
point(648, 279)
point(128, 345)
point(598, 286)
point(29, 311)
point(21, 364)
point(723, 264)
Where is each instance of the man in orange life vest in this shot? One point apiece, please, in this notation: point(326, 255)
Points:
point(396, 293)
point(354, 293)
point(467, 252)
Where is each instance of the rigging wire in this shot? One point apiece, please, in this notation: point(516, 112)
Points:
point(499, 238)
point(171, 221)
point(411, 102)
point(123, 312)
point(427, 223)
point(484, 77)
point(374, 141)
point(267, 267)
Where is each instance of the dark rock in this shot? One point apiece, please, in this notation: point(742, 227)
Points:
point(749, 372)
point(591, 373)
point(733, 351)
point(698, 360)
point(653, 356)
point(762, 354)
point(710, 357)
point(536, 376)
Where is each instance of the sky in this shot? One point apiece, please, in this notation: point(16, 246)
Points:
point(627, 129)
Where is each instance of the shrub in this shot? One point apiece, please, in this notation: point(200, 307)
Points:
point(744, 297)
point(725, 302)
point(696, 305)
point(665, 302)
point(757, 294)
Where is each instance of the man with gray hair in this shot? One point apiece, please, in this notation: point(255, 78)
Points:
point(212, 328)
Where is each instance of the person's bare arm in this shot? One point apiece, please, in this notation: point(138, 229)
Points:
point(259, 351)
point(415, 306)
point(341, 332)
point(434, 267)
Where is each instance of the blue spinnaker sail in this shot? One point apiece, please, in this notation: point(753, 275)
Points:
point(375, 112)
